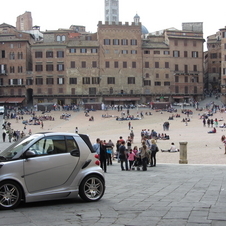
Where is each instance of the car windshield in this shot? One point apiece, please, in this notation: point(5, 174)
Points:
point(15, 148)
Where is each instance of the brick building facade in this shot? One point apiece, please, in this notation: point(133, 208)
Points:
point(116, 65)
point(216, 63)
point(15, 63)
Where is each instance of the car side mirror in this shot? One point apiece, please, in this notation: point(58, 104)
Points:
point(30, 153)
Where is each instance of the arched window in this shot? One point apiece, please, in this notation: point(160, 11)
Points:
point(58, 38)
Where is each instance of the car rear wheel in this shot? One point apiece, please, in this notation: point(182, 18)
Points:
point(92, 188)
point(10, 195)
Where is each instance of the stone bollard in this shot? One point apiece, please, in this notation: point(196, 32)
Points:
point(183, 153)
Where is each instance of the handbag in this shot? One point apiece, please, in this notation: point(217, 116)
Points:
point(109, 151)
point(156, 149)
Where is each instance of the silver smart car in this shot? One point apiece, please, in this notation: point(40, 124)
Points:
point(48, 166)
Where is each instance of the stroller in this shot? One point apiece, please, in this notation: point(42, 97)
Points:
point(137, 164)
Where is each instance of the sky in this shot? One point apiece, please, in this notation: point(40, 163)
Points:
point(154, 15)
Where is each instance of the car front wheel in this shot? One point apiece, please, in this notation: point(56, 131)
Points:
point(10, 195)
point(92, 188)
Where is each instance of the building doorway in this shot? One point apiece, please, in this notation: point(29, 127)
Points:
point(30, 97)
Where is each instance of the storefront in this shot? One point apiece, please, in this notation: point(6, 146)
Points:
point(121, 100)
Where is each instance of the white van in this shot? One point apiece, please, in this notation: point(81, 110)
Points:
point(2, 110)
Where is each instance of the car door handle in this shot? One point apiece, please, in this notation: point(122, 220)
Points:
point(75, 153)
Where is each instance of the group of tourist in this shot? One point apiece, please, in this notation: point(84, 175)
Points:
point(105, 151)
point(125, 154)
point(210, 122)
point(10, 134)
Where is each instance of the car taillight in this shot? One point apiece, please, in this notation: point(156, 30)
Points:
point(97, 162)
point(96, 156)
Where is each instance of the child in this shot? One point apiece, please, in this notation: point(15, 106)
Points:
point(131, 158)
point(135, 150)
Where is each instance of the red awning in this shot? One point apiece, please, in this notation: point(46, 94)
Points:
point(3, 100)
point(14, 100)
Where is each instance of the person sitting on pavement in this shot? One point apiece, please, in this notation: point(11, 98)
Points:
point(172, 149)
point(213, 131)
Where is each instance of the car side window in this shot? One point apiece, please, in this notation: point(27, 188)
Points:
point(57, 145)
point(41, 146)
point(54, 145)
point(71, 144)
point(50, 145)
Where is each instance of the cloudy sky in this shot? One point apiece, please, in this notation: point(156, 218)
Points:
point(155, 15)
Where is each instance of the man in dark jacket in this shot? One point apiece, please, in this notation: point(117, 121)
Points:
point(123, 155)
point(103, 156)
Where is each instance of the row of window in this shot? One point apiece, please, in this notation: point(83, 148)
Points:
point(49, 67)
point(3, 69)
point(60, 54)
point(12, 55)
point(176, 53)
point(13, 92)
point(13, 45)
point(123, 42)
point(49, 54)
point(38, 81)
point(215, 56)
point(116, 64)
point(93, 80)
point(93, 90)
point(185, 42)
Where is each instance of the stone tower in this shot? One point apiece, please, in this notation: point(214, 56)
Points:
point(112, 11)
point(24, 22)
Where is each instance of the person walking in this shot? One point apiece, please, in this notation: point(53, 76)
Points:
point(3, 135)
point(132, 135)
point(153, 152)
point(131, 158)
point(129, 125)
point(223, 139)
point(10, 134)
point(110, 152)
point(96, 146)
point(204, 122)
point(144, 156)
point(211, 122)
point(103, 156)
point(129, 143)
point(123, 156)
point(208, 122)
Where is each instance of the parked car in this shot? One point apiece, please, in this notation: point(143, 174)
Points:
point(49, 166)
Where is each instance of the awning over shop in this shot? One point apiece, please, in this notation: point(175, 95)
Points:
point(178, 97)
point(3, 100)
point(121, 98)
point(11, 100)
